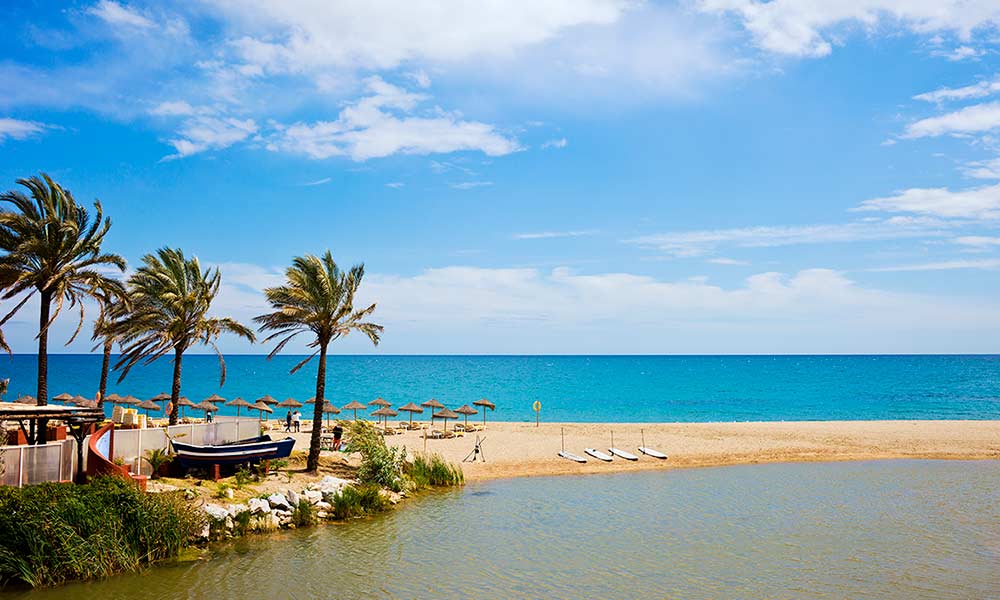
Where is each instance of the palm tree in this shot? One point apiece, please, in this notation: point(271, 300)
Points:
point(52, 247)
point(104, 333)
point(317, 298)
point(170, 298)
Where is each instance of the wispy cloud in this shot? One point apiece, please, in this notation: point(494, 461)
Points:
point(469, 185)
point(981, 242)
point(949, 265)
point(119, 15)
point(395, 185)
point(559, 143)
point(682, 244)
point(544, 235)
point(318, 182)
point(17, 129)
point(968, 92)
point(728, 262)
point(981, 203)
point(971, 119)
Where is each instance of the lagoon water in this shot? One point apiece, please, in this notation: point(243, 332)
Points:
point(584, 388)
point(885, 529)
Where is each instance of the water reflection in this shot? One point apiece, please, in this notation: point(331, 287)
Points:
point(895, 529)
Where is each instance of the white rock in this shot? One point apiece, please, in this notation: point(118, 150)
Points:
point(229, 493)
point(323, 505)
point(279, 501)
point(235, 509)
point(216, 512)
point(332, 485)
point(313, 496)
point(322, 514)
point(293, 498)
point(267, 522)
point(257, 505)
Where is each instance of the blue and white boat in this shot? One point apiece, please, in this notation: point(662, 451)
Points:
point(252, 450)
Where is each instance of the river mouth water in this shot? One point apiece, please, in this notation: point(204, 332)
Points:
point(882, 529)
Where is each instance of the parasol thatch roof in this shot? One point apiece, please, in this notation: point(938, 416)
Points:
point(161, 397)
point(86, 403)
point(411, 408)
point(80, 400)
point(113, 398)
point(380, 402)
point(63, 397)
point(290, 403)
point(432, 403)
point(150, 405)
point(329, 408)
point(214, 399)
point(384, 412)
point(354, 405)
point(444, 413)
point(267, 399)
point(465, 409)
point(185, 401)
point(27, 400)
point(206, 406)
point(485, 404)
point(130, 400)
point(239, 402)
point(263, 407)
point(311, 400)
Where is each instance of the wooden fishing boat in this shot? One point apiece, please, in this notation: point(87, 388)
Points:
point(252, 450)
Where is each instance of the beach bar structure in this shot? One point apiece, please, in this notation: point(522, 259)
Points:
point(54, 457)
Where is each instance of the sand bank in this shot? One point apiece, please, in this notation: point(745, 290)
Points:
point(521, 449)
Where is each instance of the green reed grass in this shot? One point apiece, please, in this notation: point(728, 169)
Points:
point(432, 470)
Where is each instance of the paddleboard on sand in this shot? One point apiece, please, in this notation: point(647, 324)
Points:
point(623, 454)
point(597, 454)
point(572, 457)
point(651, 452)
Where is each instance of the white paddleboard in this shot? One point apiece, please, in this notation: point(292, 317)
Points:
point(597, 454)
point(572, 457)
point(651, 452)
point(623, 454)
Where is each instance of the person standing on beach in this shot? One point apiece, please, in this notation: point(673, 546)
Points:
point(288, 421)
point(297, 420)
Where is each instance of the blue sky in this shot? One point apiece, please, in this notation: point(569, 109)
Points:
point(596, 176)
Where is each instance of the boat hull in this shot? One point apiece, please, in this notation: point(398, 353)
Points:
point(235, 453)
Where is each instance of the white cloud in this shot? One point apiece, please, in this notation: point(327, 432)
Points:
point(558, 143)
point(950, 265)
point(119, 15)
point(728, 262)
point(982, 169)
point(17, 129)
point(971, 119)
point(682, 244)
point(968, 92)
point(959, 53)
point(302, 35)
point(543, 235)
point(176, 108)
point(809, 28)
point(981, 203)
point(978, 241)
point(318, 182)
point(383, 124)
point(470, 185)
point(420, 77)
point(395, 185)
point(210, 133)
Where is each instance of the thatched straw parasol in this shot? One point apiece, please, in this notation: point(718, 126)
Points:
point(184, 401)
point(411, 408)
point(87, 403)
point(113, 398)
point(483, 402)
point(149, 405)
point(466, 410)
point(130, 400)
point(384, 412)
point(289, 403)
point(160, 397)
point(207, 407)
point(239, 403)
point(380, 402)
point(215, 399)
point(262, 407)
point(80, 400)
point(355, 406)
point(267, 399)
point(27, 400)
point(329, 409)
point(311, 400)
point(63, 397)
point(446, 414)
point(432, 404)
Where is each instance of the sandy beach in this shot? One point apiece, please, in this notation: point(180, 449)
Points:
point(522, 450)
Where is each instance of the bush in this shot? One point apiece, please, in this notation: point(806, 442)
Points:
point(434, 470)
point(357, 501)
point(157, 457)
point(380, 464)
point(303, 514)
point(56, 532)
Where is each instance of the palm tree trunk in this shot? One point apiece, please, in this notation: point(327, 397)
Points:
point(42, 395)
point(102, 388)
point(175, 391)
point(313, 463)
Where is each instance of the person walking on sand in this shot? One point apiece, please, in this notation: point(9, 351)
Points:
point(297, 420)
point(288, 422)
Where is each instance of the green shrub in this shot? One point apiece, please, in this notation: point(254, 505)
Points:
point(357, 501)
point(380, 464)
point(157, 457)
point(434, 470)
point(242, 477)
point(303, 514)
point(57, 532)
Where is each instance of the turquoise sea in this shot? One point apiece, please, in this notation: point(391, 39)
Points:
point(584, 388)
